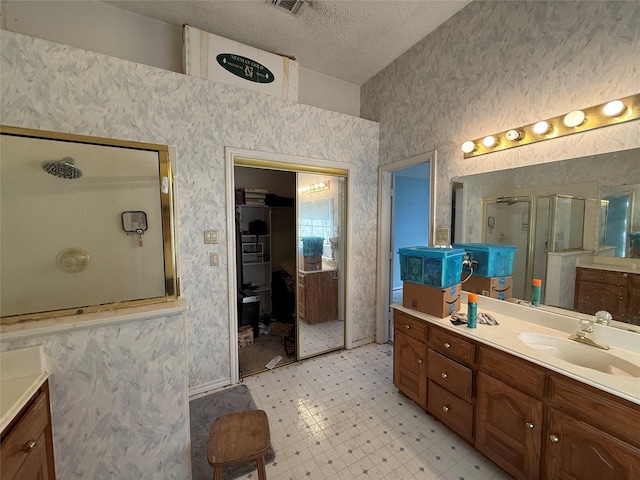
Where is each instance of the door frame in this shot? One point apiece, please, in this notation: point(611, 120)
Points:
point(276, 161)
point(385, 173)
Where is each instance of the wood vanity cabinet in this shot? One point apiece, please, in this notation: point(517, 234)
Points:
point(450, 362)
point(509, 423)
point(634, 300)
point(409, 357)
point(591, 435)
point(532, 422)
point(603, 290)
point(318, 296)
point(26, 450)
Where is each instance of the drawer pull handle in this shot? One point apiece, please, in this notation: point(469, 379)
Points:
point(554, 438)
point(447, 345)
point(530, 425)
point(444, 375)
point(419, 360)
point(30, 445)
point(445, 408)
point(407, 326)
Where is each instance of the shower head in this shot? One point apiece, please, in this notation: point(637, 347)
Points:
point(507, 200)
point(64, 168)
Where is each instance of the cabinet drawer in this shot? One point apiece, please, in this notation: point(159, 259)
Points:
point(452, 411)
point(602, 276)
point(451, 345)
point(449, 374)
point(411, 326)
point(16, 448)
point(607, 412)
point(512, 371)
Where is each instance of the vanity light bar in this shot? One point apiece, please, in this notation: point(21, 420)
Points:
point(316, 187)
point(610, 113)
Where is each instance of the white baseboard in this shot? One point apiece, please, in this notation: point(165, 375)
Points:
point(362, 342)
point(207, 387)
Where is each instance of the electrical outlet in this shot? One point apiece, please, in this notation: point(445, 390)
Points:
point(214, 260)
point(442, 236)
point(210, 236)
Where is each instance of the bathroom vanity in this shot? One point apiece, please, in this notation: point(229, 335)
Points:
point(534, 414)
point(26, 445)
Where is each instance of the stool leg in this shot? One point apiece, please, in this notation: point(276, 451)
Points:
point(262, 473)
point(217, 471)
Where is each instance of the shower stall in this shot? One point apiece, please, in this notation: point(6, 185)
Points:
point(548, 231)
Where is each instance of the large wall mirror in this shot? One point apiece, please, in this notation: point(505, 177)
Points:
point(86, 224)
point(562, 216)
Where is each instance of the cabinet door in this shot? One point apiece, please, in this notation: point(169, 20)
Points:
point(592, 296)
point(410, 367)
point(37, 466)
point(576, 450)
point(509, 427)
point(633, 316)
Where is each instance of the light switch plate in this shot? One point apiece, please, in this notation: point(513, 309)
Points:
point(442, 236)
point(210, 236)
point(214, 260)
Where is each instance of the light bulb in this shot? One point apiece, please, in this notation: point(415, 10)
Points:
point(574, 119)
point(321, 184)
point(513, 135)
point(614, 108)
point(489, 141)
point(541, 127)
point(468, 146)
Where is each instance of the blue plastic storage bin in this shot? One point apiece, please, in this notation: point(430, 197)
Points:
point(493, 260)
point(311, 246)
point(434, 267)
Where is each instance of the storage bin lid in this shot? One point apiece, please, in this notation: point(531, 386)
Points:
point(484, 246)
point(431, 251)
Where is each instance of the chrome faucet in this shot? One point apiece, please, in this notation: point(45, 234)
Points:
point(585, 335)
point(603, 317)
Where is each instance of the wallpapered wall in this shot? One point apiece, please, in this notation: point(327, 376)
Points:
point(55, 87)
point(499, 65)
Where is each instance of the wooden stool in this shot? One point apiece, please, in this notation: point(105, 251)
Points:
point(238, 438)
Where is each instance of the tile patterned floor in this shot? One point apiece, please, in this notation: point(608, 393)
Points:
point(340, 417)
point(320, 337)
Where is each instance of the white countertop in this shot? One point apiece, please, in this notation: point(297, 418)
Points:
point(22, 373)
point(624, 345)
point(600, 262)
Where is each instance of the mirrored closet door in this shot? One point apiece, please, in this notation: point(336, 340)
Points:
point(320, 209)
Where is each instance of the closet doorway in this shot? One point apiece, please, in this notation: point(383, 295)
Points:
point(289, 275)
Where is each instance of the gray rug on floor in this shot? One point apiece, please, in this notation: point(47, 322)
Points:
point(202, 412)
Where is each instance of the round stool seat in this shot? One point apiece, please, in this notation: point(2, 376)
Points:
point(238, 438)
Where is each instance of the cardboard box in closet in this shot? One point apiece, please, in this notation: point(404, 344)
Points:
point(439, 302)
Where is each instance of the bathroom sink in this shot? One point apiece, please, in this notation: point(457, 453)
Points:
point(580, 355)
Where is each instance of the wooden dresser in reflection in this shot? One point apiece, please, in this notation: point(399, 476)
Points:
point(616, 292)
point(318, 296)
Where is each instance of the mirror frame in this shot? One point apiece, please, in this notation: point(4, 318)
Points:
point(167, 201)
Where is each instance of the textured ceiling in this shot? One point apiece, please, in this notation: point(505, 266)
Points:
point(347, 39)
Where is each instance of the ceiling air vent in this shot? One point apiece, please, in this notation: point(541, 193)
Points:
point(294, 7)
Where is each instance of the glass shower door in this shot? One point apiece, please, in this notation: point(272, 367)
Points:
point(507, 222)
point(321, 272)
